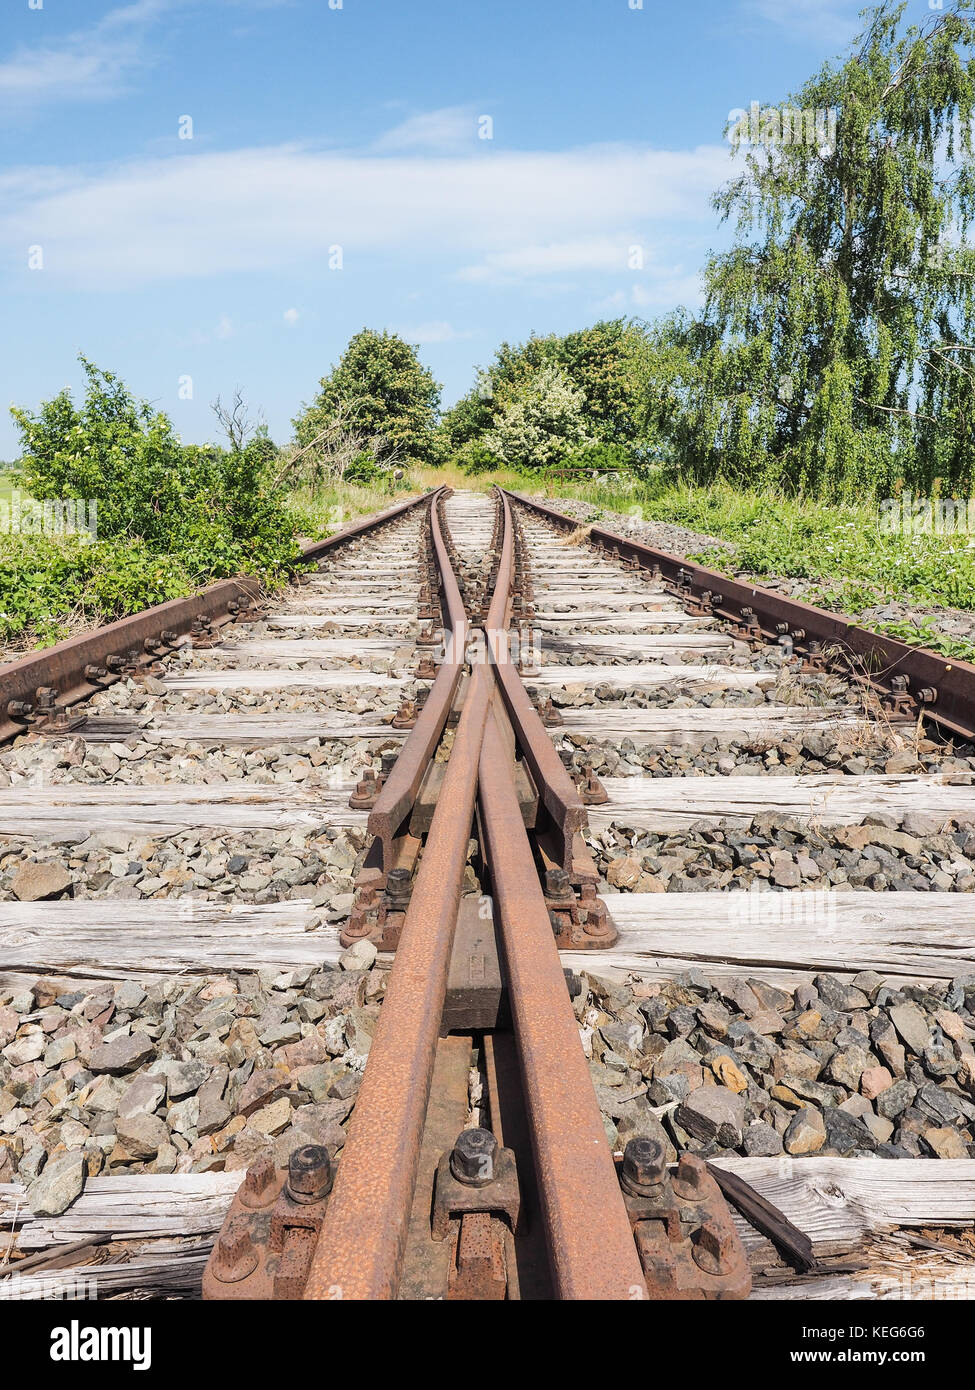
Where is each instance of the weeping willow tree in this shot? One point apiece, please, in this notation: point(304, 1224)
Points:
point(836, 348)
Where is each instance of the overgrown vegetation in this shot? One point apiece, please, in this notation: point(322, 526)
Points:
point(852, 560)
point(833, 353)
point(169, 517)
point(376, 410)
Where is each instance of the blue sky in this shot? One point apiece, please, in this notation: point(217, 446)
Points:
point(203, 264)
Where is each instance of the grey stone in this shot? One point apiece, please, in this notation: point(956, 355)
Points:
point(142, 1135)
point(846, 1132)
point(912, 1026)
point(762, 1141)
point(182, 1078)
point(122, 1054)
point(142, 1097)
point(60, 1183)
point(713, 1112)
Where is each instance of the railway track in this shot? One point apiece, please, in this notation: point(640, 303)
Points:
point(566, 811)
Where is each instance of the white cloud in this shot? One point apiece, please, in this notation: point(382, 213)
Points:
point(449, 130)
point(291, 316)
point(832, 22)
point(269, 208)
point(555, 258)
point(95, 63)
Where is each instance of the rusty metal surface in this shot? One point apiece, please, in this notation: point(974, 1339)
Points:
point(396, 799)
point(558, 792)
point(426, 1267)
point(62, 667)
point(363, 1239)
point(265, 1245)
point(684, 1232)
point(593, 1255)
point(316, 549)
point(950, 681)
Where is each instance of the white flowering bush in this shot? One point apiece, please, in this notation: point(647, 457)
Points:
point(541, 424)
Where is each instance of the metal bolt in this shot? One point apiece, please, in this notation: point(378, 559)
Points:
point(399, 887)
point(557, 885)
point(258, 1186)
point(472, 1157)
point(712, 1249)
point(236, 1255)
point(644, 1166)
point(309, 1174)
point(691, 1179)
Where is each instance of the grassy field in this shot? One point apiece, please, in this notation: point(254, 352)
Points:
point(847, 557)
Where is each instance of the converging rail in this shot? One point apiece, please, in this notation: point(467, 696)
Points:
point(401, 924)
point(423, 1202)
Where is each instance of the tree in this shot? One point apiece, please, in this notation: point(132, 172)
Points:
point(218, 509)
point(834, 351)
point(540, 424)
point(381, 388)
point(604, 362)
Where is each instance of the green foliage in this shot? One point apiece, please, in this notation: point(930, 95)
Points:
point(833, 352)
point(603, 364)
point(169, 517)
point(44, 584)
point(380, 390)
point(540, 424)
point(848, 554)
point(216, 508)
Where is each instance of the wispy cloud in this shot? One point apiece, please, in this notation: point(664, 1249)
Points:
point(555, 258)
point(832, 22)
point(94, 63)
point(505, 214)
point(91, 63)
point(448, 131)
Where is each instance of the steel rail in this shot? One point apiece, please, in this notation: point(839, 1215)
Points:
point(399, 792)
point(590, 1240)
point(559, 793)
point(942, 688)
point(362, 1243)
point(65, 667)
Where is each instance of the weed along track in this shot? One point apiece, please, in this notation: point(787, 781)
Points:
point(507, 911)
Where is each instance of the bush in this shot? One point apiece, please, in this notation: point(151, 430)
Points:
point(381, 391)
point(170, 518)
point(215, 508)
point(541, 424)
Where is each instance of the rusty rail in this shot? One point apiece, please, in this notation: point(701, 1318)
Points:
point(399, 792)
point(356, 1238)
point(77, 668)
point(912, 680)
point(590, 1242)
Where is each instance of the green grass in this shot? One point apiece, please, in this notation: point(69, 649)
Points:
point(851, 562)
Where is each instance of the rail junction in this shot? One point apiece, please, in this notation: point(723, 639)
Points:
point(476, 1162)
